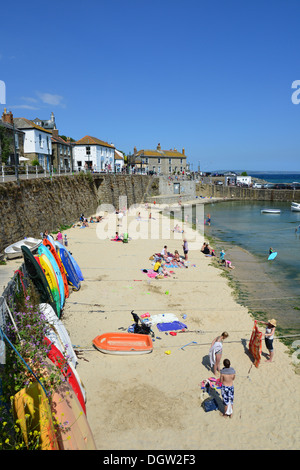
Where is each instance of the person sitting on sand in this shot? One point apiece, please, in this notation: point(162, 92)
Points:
point(99, 218)
point(227, 376)
point(164, 252)
point(157, 266)
point(117, 238)
point(215, 352)
point(207, 250)
point(163, 270)
point(177, 256)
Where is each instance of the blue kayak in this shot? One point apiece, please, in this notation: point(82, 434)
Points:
point(69, 268)
point(74, 262)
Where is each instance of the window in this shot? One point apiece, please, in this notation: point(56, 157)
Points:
point(40, 141)
point(158, 160)
point(88, 150)
point(79, 163)
point(170, 169)
point(147, 160)
point(170, 161)
point(181, 160)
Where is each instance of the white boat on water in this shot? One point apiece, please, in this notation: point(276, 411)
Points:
point(14, 250)
point(270, 211)
point(295, 207)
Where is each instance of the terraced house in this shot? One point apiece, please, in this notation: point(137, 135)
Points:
point(160, 161)
point(93, 154)
point(37, 143)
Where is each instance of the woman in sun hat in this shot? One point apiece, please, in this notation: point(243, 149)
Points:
point(269, 336)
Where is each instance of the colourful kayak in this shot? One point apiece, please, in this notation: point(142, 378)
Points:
point(37, 276)
point(69, 268)
point(51, 247)
point(43, 250)
point(74, 262)
point(52, 281)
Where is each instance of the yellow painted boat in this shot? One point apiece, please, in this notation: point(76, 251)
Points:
point(76, 434)
point(32, 409)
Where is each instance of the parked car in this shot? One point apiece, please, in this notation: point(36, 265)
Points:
point(219, 182)
point(257, 186)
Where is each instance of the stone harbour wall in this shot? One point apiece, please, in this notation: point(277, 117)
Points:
point(40, 204)
point(276, 195)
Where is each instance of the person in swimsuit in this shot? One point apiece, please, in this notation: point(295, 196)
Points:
point(227, 390)
point(269, 336)
point(215, 352)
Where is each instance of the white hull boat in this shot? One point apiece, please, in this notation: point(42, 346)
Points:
point(295, 207)
point(14, 250)
point(270, 211)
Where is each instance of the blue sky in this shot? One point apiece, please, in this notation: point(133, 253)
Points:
point(213, 77)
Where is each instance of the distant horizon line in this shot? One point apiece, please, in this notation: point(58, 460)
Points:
point(273, 172)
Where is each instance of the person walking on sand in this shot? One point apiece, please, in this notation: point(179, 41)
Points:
point(227, 389)
point(269, 336)
point(185, 249)
point(215, 352)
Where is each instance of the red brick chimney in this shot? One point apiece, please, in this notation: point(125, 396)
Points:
point(55, 133)
point(183, 152)
point(8, 117)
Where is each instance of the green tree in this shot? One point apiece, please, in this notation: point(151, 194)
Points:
point(5, 144)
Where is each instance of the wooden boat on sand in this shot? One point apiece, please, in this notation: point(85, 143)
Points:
point(123, 343)
point(14, 250)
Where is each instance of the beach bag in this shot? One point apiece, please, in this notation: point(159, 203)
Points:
point(210, 404)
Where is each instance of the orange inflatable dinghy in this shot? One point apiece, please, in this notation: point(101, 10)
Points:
point(123, 343)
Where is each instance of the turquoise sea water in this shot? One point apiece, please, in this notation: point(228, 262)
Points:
point(273, 285)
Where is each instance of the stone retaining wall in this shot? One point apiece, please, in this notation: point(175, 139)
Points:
point(39, 204)
point(212, 190)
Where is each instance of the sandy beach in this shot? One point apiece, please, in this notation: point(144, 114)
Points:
point(153, 401)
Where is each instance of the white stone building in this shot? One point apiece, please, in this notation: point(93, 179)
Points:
point(37, 142)
point(93, 154)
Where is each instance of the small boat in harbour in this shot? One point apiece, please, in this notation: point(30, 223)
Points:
point(14, 250)
point(270, 211)
point(123, 343)
point(295, 207)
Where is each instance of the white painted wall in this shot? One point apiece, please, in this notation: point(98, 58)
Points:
point(36, 142)
point(99, 156)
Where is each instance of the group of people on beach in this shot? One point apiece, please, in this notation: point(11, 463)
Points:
point(227, 373)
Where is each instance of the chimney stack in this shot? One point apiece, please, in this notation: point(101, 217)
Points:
point(183, 152)
point(55, 133)
point(8, 117)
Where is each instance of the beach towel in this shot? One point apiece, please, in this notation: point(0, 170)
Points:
point(255, 344)
point(151, 273)
point(163, 318)
point(213, 383)
point(174, 325)
point(215, 349)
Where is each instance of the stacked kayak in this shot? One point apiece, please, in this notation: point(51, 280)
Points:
point(52, 270)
